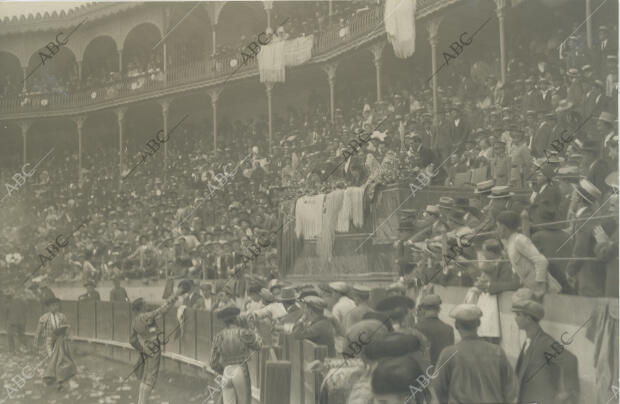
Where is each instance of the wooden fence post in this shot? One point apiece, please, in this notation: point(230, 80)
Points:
point(278, 382)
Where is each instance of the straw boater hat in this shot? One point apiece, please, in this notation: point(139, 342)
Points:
point(500, 191)
point(484, 187)
point(287, 295)
point(341, 287)
point(606, 117)
point(587, 191)
point(612, 180)
point(564, 105)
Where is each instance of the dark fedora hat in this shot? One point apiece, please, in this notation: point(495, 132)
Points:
point(393, 302)
point(227, 313)
point(51, 300)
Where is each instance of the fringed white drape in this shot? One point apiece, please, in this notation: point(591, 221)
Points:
point(352, 209)
point(325, 242)
point(298, 50)
point(399, 18)
point(273, 58)
point(308, 216)
point(271, 62)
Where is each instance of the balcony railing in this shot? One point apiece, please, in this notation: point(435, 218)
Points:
point(365, 22)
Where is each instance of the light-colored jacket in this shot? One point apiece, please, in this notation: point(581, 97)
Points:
point(529, 263)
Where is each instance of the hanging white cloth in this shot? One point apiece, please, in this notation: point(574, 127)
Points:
point(271, 62)
point(308, 216)
point(399, 19)
point(298, 50)
point(352, 209)
point(325, 242)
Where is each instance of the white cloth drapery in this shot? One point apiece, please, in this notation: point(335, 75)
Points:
point(399, 19)
point(274, 57)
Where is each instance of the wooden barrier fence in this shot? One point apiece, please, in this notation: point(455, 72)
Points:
point(109, 323)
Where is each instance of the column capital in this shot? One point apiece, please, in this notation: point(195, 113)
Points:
point(120, 113)
point(433, 28)
point(268, 4)
point(25, 126)
point(79, 122)
point(501, 8)
point(165, 104)
point(330, 69)
point(269, 87)
point(377, 51)
point(214, 94)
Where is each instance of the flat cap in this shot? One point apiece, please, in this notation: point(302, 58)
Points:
point(430, 301)
point(466, 312)
point(315, 302)
point(361, 289)
point(341, 287)
point(530, 307)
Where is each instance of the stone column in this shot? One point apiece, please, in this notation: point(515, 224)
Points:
point(25, 127)
point(120, 116)
point(165, 104)
point(213, 38)
point(120, 61)
point(433, 28)
point(79, 123)
point(214, 94)
point(589, 23)
point(501, 13)
point(79, 69)
point(269, 87)
point(330, 69)
point(377, 51)
point(268, 5)
point(25, 70)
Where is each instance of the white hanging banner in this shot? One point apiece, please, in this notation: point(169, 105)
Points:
point(271, 62)
point(399, 19)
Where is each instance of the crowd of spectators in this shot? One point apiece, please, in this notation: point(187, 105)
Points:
point(158, 224)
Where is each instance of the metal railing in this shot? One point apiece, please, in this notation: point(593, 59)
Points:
point(366, 22)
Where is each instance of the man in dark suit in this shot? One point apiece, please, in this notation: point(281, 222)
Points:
point(547, 195)
point(314, 326)
point(194, 299)
point(542, 137)
point(589, 276)
point(545, 370)
point(532, 99)
point(597, 167)
point(438, 333)
point(423, 156)
point(458, 129)
point(606, 46)
point(552, 242)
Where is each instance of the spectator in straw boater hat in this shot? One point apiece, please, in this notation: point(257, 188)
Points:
point(586, 275)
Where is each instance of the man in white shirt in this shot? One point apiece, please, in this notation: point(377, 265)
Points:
point(343, 303)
